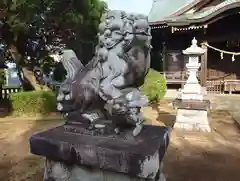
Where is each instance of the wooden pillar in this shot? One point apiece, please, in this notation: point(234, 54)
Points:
point(203, 73)
point(164, 58)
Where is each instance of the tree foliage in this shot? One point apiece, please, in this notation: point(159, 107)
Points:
point(69, 22)
point(62, 16)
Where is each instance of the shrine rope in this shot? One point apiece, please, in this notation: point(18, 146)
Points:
point(222, 51)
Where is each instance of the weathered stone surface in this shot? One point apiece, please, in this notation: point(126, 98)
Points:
point(136, 156)
point(110, 82)
point(58, 171)
point(190, 119)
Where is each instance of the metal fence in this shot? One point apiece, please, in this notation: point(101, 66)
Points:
point(216, 85)
point(7, 90)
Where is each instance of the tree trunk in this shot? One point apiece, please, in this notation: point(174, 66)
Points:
point(27, 74)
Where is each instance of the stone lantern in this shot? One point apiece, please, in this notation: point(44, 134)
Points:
point(192, 89)
point(191, 106)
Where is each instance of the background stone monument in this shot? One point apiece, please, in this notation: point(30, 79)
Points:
point(104, 138)
point(11, 74)
point(191, 105)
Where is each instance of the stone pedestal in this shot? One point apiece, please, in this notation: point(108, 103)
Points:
point(78, 154)
point(58, 171)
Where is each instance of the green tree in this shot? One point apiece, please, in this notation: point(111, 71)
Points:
point(73, 22)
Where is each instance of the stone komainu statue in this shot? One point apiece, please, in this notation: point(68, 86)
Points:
point(107, 88)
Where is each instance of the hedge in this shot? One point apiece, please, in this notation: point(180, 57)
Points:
point(154, 86)
point(33, 103)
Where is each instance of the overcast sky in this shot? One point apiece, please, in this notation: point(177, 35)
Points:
point(134, 6)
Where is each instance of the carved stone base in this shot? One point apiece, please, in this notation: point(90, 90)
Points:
point(189, 119)
point(78, 148)
point(58, 171)
point(191, 104)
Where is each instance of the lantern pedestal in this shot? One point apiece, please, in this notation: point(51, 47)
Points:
point(192, 115)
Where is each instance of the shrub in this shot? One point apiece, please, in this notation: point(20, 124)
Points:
point(154, 87)
point(33, 103)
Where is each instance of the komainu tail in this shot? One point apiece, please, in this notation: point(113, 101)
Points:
point(72, 65)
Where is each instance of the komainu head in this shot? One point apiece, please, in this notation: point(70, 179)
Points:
point(129, 36)
point(117, 26)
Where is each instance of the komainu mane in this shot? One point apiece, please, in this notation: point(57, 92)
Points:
point(107, 88)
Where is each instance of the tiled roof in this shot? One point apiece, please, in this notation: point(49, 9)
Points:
point(205, 14)
point(213, 9)
point(164, 8)
point(202, 15)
